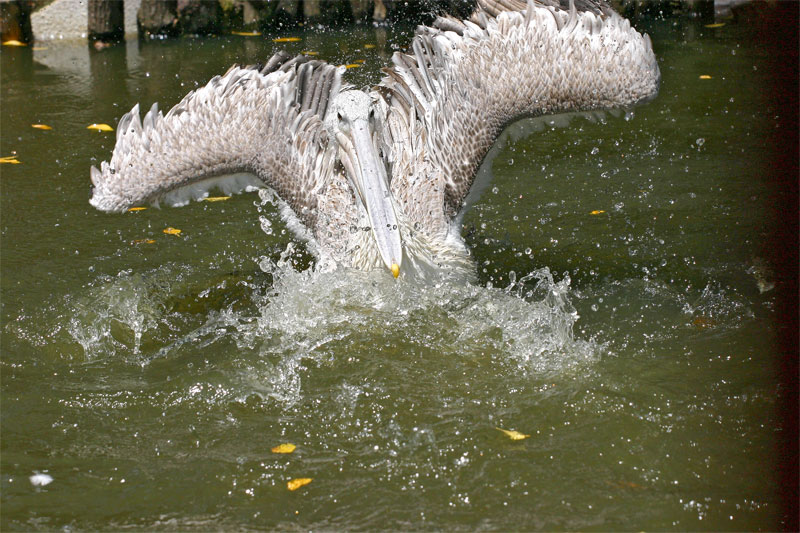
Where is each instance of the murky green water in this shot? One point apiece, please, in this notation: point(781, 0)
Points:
point(634, 345)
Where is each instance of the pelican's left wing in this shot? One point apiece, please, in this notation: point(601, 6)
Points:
point(462, 82)
point(266, 121)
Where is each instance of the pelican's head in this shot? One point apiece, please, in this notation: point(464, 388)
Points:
point(351, 123)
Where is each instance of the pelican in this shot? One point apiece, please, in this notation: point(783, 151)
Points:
point(378, 178)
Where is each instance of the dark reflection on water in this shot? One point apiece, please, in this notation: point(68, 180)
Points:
point(626, 319)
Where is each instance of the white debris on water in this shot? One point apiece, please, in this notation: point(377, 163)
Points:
point(40, 480)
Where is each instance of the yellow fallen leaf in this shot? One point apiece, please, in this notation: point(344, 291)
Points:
point(216, 198)
point(41, 126)
point(99, 127)
point(360, 61)
point(297, 483)
point(597, 212)
point(309, 53)
point(715, 25)
point(12, 159)
point(286, 40)
point(135, 209)
point(39, 48)
point(246, 33)
point(368, 46)
point(352, 65)
point(286, 447)
point(172, 231)
point(705, 77)
point(143, 241)
point(512, 434)
point(13, 42)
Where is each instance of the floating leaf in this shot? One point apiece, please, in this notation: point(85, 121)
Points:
point(705, 77)
point(352, 65)
point(715, 25)
point(13, 42)
point(360, 61)
point(297, 483)
point(11, 159)
point(597, 212)
point(41, 126)
point(172, 231)
point(368, 46)
point(135, 209)
point(512, 434)
point(246, 33)
point(144, 241)
point(216, 198)
point(286, 447)
point(286, 40)
point(99, 127)
point(309, 53)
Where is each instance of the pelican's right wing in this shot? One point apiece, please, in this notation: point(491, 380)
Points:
point(462, 82)
point(263, 120)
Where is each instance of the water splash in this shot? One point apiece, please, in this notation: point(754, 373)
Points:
point(271, 337)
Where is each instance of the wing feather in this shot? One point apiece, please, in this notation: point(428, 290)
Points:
point(468, 79)
point(266, 120)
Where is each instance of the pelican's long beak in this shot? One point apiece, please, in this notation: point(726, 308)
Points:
point(372, 185)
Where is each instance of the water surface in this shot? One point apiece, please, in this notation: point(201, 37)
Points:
point(625, 318)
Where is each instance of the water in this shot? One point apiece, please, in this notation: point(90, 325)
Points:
point(625, 318)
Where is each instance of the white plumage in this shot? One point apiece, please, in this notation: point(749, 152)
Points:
point(379, 178)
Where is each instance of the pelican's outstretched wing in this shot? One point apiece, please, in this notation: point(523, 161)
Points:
point(464, 81)
point(263, 120)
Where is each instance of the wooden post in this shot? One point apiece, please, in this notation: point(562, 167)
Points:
point(359, 8)
point(311, 11)
point(159, 17)
point(379, 13)
point(106, 20)
point(199, 17)
point(289, 7)
point(15, 21)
